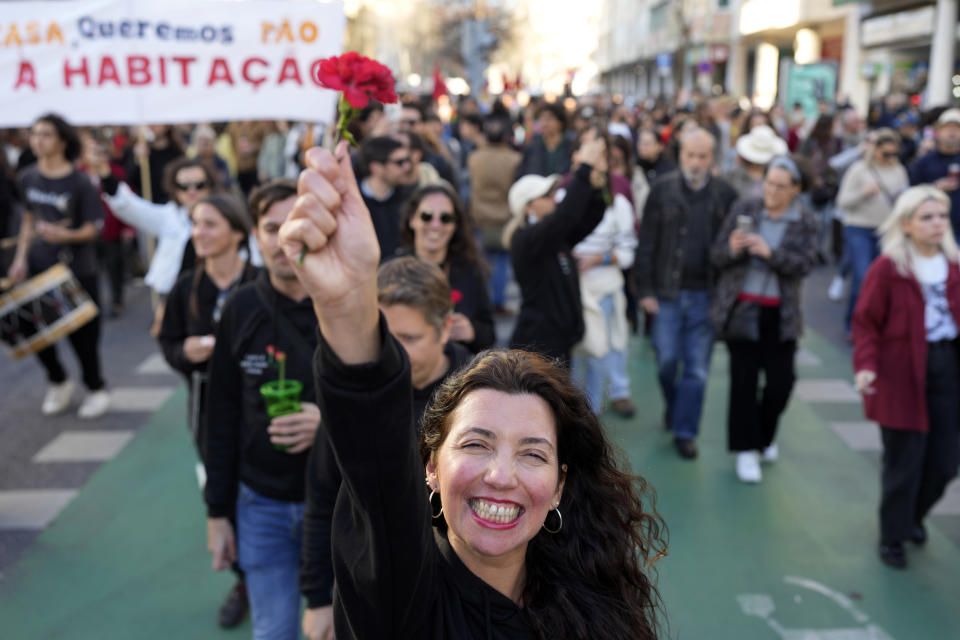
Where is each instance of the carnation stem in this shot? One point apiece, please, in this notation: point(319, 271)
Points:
point(346, 113)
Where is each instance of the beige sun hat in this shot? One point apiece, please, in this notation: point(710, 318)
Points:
point(761, 145)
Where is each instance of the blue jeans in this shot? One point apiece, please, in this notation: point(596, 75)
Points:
point(269, 533)
point(499, 276)
point(862, 247)
point(592, 374)
point(682, 331)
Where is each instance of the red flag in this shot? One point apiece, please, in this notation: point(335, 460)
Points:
point(439, 86)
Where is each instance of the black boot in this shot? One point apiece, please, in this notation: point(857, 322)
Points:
point(235, 608)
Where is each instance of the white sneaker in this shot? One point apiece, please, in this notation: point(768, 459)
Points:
point(57, 399)
point(770, 454)
point(748, 467)
point(835, 290)
point(94, 405)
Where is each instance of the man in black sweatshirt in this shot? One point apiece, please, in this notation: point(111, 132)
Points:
point(415, 300)
point(385, 189)
point(256, 457)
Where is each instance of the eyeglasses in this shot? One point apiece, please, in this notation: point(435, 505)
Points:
point(401, 161)
point(186, 186)
point(445, 217)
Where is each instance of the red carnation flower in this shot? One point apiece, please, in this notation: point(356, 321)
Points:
point(455, 296)
point(281, 356)
point(359, 78)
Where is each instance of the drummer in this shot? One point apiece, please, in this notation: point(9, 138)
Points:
point(61, 224)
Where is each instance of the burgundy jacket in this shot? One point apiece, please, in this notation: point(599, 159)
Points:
point(890, 338)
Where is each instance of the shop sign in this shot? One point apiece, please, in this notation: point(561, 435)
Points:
point(808, 83)
point(905, 25)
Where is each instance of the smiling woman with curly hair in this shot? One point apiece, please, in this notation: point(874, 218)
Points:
point(532, 528)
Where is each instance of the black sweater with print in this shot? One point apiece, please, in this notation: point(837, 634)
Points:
point(237, 445)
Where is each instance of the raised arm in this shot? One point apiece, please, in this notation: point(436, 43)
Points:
point(382, 538)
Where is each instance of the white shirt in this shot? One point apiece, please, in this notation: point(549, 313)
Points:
point(932, 274)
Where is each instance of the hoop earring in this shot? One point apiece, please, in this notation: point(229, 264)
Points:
point(557, 530)
point(430, 500)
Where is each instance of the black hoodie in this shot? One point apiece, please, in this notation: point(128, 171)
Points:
point(237, 445)
point(395, 578)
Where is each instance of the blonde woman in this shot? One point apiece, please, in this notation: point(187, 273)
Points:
point(905, 359)
point(866, 195)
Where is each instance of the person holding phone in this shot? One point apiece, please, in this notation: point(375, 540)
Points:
point(762, 253)
point(905, 359)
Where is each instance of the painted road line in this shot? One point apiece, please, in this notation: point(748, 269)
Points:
point(807, 358)
point(762, 605)
point(32, 508)
point(859, 436)
point(154, 364)
point(147, 399)
point(84, 446)
point(949, 504)
point(826, 390)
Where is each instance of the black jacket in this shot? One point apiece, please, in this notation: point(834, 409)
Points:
point(237, 445)
point(551, 314)
point(537, 160)
point(660, 243)
point(386, 219)
point(323, 485)
point(179, 321)
point(395, 578)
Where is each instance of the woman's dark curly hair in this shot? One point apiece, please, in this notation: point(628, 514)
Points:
point(589, 580)
point(463, 246)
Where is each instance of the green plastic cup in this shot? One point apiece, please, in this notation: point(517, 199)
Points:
point(281, 400)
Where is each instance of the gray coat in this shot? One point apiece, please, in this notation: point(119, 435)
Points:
point(791, 262)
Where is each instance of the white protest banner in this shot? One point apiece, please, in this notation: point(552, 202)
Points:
point(146, 61)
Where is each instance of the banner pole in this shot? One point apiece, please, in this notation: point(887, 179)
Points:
point(146, 190)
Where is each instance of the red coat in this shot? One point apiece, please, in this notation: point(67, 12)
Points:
point(890, 338)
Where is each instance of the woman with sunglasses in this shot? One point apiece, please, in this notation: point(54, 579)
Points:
point(221, 227)
point(188, 181)
point(435, 228)
point(867, 193)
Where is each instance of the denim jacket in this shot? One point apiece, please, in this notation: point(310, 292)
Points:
point(659, 256)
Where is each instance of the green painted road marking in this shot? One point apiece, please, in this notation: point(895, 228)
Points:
point(127, 558)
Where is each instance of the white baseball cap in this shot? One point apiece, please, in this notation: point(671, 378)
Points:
point(529, 188)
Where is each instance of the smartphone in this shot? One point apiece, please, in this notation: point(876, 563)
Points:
point(744, 224)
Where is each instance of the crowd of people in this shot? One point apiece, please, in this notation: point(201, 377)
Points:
point(370, 280)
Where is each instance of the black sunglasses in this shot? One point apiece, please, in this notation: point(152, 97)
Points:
point(445, 217)
point(186, 186)
point(401, 161)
